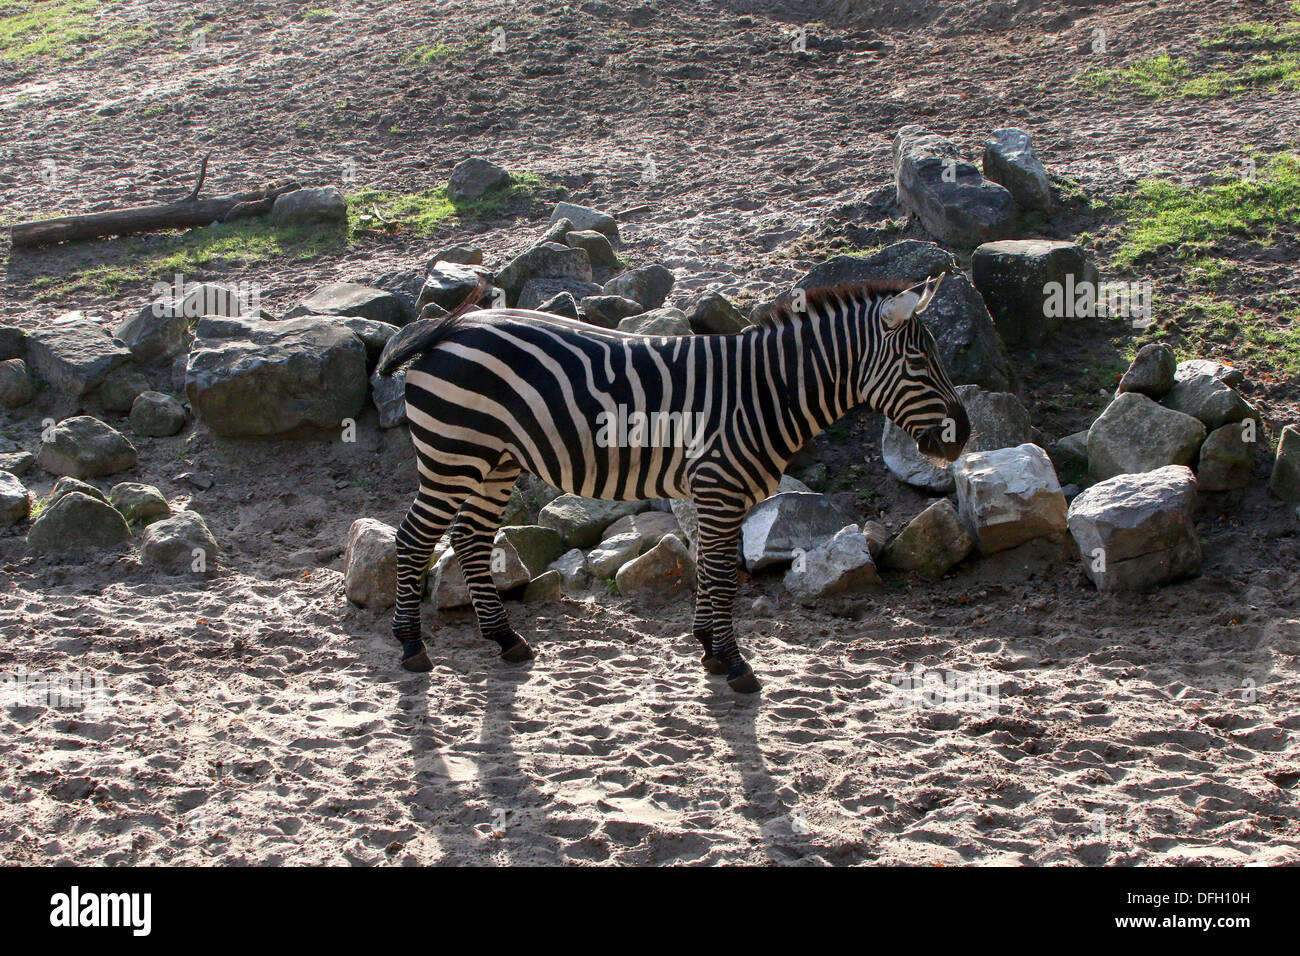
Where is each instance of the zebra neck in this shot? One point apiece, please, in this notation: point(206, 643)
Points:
point(812, 362)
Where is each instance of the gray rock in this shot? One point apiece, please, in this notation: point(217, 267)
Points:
point(557, 231)
point(1008, 496)
point(180, 544)
point(73, 354)
point(448, 283)
point(1224, 373)
point(657, 322)
point(838, 565)
point(370, 578)
point(118, 392)
point(687, 517)
point(950, 197)
point(373, 335)
point(448, 588)
point(16, 387)
point(157, 415)
point(1070, 452)
point(1210, 400)
point(66, 485)
point(15, 500)
point(85, 447)
point(931, 544)
point(584, 217)
point(877, 538)
point(547, 586)
point(314, 204)
point(389, 397)
point(651, 526)
point(537, 291)
point(607, 311)
point(159, 331)
point(138, 503)
point(1010, 161)
point(550, 260)
point(787, 523)
point(1135, 531)
point(537, 546)
point(199, 299)
point(581, 521)
point(464, 255)
point(564, 305)
point(969, 346)
point(471, 178)
point(1152, 371)
point(272, 378)
point(572, 569)
point(664, 572)
point(604, 560)
point(1134, 435)
point(1016, 278)
point(13, 342)
point(906, 463)
point(18, 462)
point(348, 298)
point(529, 495)
point(76, 521)
point(598, 247)
point(1284, 482)
point(648, 285)
point(713, 314)
point(1226, 458)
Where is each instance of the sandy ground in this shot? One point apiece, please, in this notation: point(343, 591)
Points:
point(1009, 714)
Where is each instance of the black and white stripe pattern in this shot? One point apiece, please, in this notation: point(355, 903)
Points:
point(494, 392)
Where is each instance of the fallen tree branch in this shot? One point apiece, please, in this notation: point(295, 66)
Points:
point(181, 214)
point(203, 172)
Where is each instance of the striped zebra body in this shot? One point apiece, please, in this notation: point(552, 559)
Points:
point(716, 418)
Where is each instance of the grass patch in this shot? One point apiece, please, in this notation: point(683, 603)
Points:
point(57, 31)
point(1192, 222)
point(429, 210)
point(1269, 345)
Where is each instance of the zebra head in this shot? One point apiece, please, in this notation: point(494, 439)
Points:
point(904, 379)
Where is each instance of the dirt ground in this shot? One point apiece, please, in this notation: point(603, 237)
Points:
point(257, 717)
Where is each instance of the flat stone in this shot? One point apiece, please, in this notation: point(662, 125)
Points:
point(1008, 496)
point(607, 311)
point(547, 586)
point(349, 298)
point(785, 524)
point(1225, 373)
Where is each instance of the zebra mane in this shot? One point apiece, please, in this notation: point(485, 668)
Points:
point(783, 310)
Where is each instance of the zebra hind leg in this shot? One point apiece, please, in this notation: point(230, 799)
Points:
point(719, 533)
point(426, 521)
point(472, 538)
point(703, 629)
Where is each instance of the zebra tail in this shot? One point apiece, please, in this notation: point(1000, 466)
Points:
point(419, 337)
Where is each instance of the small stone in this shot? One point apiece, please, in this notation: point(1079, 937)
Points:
point(657, 322)
point(1070, 452)
point(66, 485)
point(449, 588)
point(650, 525)
point(13, 342)
point(543, 588)
point(1152, 371)
point(1226, 459)
point(15, 499)
point(156, 415)
point(370, 578)
point(447, 284)
point(1224, 373)
point(471, 178)
point(932, 542)
point(877, 536)
point(316, 204)
point(85, 447)
point(1134, 434)
point(838, 565)
point(180, 544)
point(1285, 479)
point(648, 285)
point(76, 521)
point(664, 572)
point(16, 386)
point(138, 503)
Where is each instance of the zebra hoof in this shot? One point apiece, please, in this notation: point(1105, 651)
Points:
point(713, 665)
point(417, 661)
point(745, 683)
point(518, 653)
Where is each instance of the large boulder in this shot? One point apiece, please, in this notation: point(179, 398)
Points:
point(76, 521)
point(1151, 372)
point(1134, 434)
point(370, 577)
point(788, 523)
point(16, 387)
point(1016, 278)
point(73, 354)
point(932, 542)
point(1227, 458)
point(648, 285)
point(1284, 482)
point(348, 298)
point(1136, 531)
point(1209, 399)
point(838, 565)
point(947, 193)
point(584, 217)
point(84, 447)
point(1010, 161)
point(969, 346)
point(581, 521)
point(314, 204)
point(471, 178)
point(15, 499)
point(1009, 496)
point(664, 572)
point(249, 377)
point(180, 544)
point(549, 260)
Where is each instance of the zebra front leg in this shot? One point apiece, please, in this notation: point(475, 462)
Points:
point(471, 538)
point(719, 533)
point(426, 521)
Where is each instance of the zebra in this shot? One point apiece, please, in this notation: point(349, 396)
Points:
point(493, 392)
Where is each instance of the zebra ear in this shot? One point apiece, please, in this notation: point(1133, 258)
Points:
point(928, 293)
point(899, 309)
